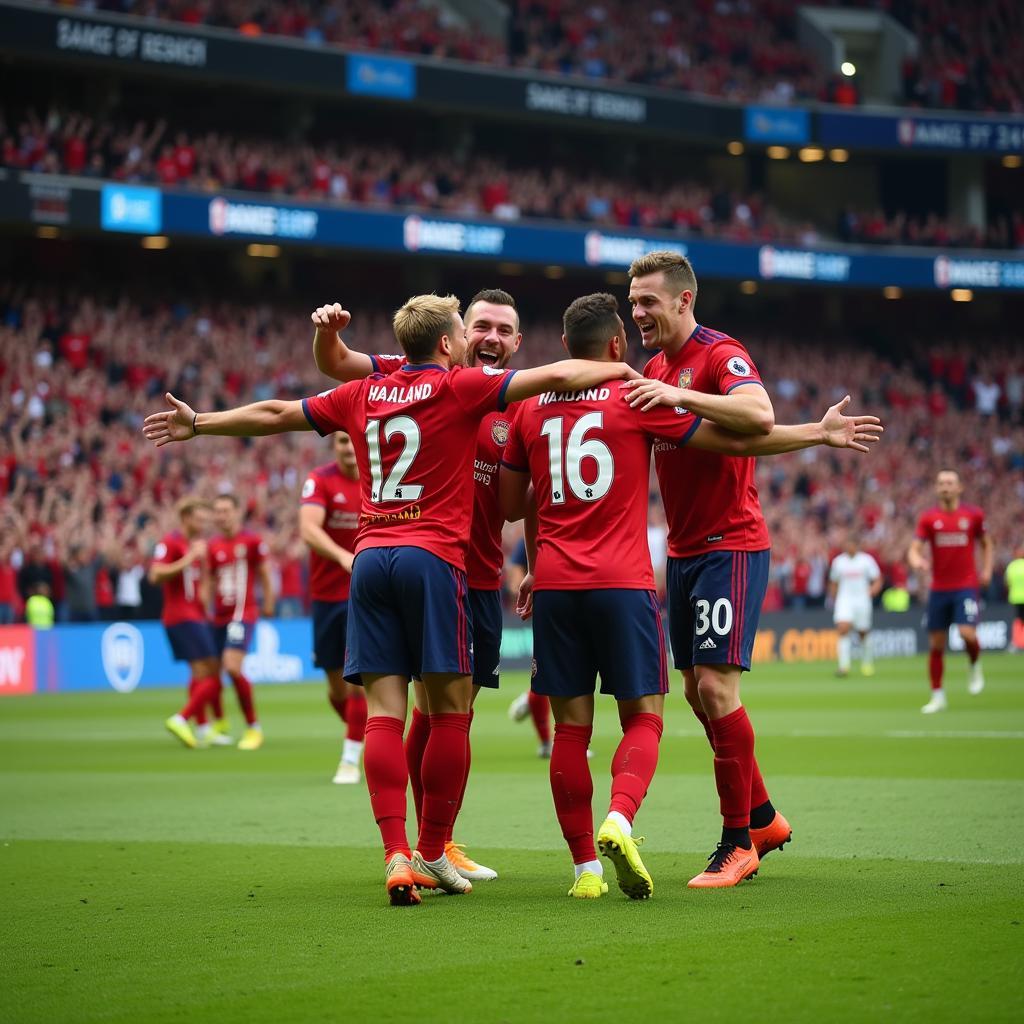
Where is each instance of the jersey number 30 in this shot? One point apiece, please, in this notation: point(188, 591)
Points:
point(393, 489)
point(577, 448)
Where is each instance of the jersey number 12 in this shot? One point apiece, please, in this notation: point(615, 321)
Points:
point(392, 489)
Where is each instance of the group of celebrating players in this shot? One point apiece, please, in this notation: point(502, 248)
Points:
point(445, 444)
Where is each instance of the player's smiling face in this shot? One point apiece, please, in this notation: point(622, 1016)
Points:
point(492, 332)
point(656, 310)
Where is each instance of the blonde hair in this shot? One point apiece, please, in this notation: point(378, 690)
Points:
point(420, 324)
point(678, 271)
point(186, 506)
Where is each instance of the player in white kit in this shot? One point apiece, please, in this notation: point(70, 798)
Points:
point(854, 581)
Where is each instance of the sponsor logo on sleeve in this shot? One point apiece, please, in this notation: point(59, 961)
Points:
point(308, 488)
point(739, 367)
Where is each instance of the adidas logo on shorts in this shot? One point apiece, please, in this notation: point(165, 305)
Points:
point(708, 645)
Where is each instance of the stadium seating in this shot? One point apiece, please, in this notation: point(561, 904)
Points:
point(77, 376)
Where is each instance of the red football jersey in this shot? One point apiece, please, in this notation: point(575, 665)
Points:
point(589, 455)
point(182, 599)
point(952, 536)
point(340, 498)
point(415, 434)
point(485, 557)
point(234, 561)
point(711, 501)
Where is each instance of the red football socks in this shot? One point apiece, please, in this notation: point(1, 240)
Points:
point(355, 717)
point(935, 669)
point(200, 695)
point(973, 649)
point(758, 791)
point(443, 775)
point(573, 790)
point(217, 704)
point(465, 781)
point(734, 761)
point(540, 712)
point(634, 763)
point(201, 716)
point(415, 744)
point(243, 688)
point(387, 780)
point(338, 705)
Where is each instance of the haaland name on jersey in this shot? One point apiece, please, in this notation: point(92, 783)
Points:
point(590, 395)
point(399, 395)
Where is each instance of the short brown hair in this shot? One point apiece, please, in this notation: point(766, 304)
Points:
point(229, 496)
point(678, 271)
point(589, 322)
point(496, 297)
point(187, 505)
point(421, 323)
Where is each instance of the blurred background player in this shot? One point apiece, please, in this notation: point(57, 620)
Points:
point(1014, 578)
point(596, 609)
point(237, 558)
point(854, 582)
point(409, 613)
point(179, 566)
point(328, 522)
point(493, 337)
point(951, 530)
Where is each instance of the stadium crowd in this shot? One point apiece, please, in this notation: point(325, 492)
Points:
point(67, 142)
point(970, 55)
point(85, 500)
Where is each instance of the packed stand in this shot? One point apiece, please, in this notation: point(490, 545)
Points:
point(971, 54)
point(85, 499)
point(385, 176)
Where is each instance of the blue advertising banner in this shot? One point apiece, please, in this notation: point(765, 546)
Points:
point(917, 132)
point(543, 242)
point(390, 77)
point(125, 656)
point(776, 124)
point(131, 208)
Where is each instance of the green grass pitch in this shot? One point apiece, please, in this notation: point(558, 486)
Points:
point(142, 882)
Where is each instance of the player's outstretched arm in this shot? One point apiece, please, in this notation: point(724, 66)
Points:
point(566, 375)
point(330, 353)
point(745, 410)
point(181, 422)
point(834, 429)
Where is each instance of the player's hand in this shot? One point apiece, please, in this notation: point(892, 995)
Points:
point(331, 318)
point(345, 560)
point(524, 600)
point(175, 425)
point(856, 432)
point(649, 393)
point(984, 579)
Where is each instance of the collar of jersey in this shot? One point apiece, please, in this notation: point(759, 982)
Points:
point(416, 367)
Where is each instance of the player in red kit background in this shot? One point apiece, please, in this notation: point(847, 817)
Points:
point(237, 559)
point(409, 615)
point(951, 530)
point(179, 566)
point(328, 522)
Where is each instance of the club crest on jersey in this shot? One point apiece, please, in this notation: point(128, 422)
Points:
point(499, 431)
point(739, 367)
point(686, 377)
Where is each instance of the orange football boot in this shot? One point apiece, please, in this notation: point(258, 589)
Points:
point(772, 837)
point(400, 882)
point(727, 866)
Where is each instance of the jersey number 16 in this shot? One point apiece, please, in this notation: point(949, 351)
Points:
point(568, 468)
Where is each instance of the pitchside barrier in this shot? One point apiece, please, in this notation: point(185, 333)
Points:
point(125, 656)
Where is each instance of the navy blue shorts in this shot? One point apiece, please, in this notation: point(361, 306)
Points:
point(580, 634)
point(409, 615)
point(330, 624)
point(948, 606)
point(487, 626)
point(714, 605)
point(192, 641)
point(236, 635)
